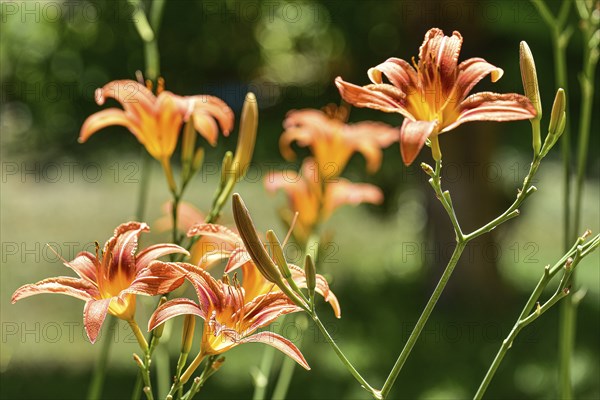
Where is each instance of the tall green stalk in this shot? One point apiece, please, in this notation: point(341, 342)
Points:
point(561, 32)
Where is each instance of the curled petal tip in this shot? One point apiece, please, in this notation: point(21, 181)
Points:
point(497, 74)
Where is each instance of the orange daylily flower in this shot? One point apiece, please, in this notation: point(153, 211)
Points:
point(156, 120)
point(230, 317)
point(109, 283)
point(314, 201)
point(432, 96)
point(332, 141)
point(229, 246)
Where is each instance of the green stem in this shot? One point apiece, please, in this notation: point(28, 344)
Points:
point(95, 390)
point(261, 379)
point(387, 386)
point(138, 335)
point(285, 378)
point(576, 253)
point(374, 392)
point(444, 198)
point(199, 381)
point(526, 190)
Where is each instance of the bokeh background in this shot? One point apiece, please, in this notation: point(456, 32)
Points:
point(382, 262)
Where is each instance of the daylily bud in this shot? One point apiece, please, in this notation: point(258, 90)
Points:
point(427, 169)
point(311, 276)
point(529, 77)
point(217, 364)
point(226, 167)
point(138, 360)
point(278, 254)
point(160, 329)
point(558, 120)
point(257, 252)
point(198, 160)
point(247, 136)
point(188, 145)
point(187, 334)
point(558, 112)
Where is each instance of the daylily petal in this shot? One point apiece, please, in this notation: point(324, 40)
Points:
point(237, 258)
point(400, 74)
point(85, 265)
point(264, 309)
point(102, 119)
point(412, 138)
point(157, 278)
point(187, 216)
point(280, 343)
point(156, 251)
point(438, 57)
point(207, 288)
point(381, 97)
point(119, 251)
point(216, 231)
point(205, 110)
point(173, 308)
point(470, 72)
point(322, 288)
point(345, 192)
point(94, 314)
point(162, 143)
point(74, 287)
point(212, 258)
point(135, 98)
point(487, 106)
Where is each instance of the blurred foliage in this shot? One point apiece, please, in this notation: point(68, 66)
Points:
point(55, 54)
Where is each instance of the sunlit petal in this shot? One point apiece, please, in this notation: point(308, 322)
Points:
point(280, 343)
point(174, 308)
point(74, 287)
point(94, 314)
point(412, 138)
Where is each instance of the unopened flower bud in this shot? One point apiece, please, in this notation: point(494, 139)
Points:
point(255, 248)
point(138, 360)
point(278, 256)
point(187, 334)
point(198, 159)
point(226, 168)
point(427, 169)
point(311, 275)
point(188, 145)
point(247, 136)
point(557, 118)
point(217, 364)
point(529, 77)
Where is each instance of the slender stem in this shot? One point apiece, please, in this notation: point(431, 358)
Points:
point(285, 378)
point(211, 366)
point(95, 389)
point(138, 335)
point(192, 367)
point(261, 378)
point(387, 386)
point(508, 342)
point(374, 392)
point(576, 254)
point(444, 198)
point(526, 190)
point(163, 376)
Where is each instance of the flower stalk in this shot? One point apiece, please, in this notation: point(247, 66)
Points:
point(566, 264)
